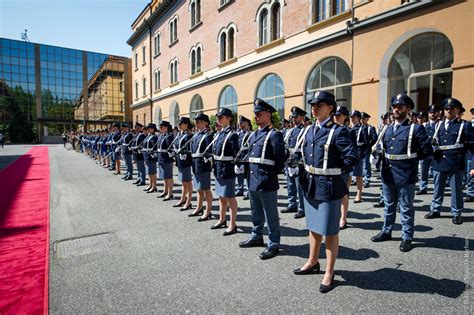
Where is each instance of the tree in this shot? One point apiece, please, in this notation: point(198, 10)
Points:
point(19, 128)
point(276, 121)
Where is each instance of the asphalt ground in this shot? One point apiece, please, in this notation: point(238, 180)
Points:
point(154, 259)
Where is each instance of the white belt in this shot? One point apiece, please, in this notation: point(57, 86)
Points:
point(223, 158)
point(360, 144)
point(451, 147)
point(320, 171)
point(162, 151)
point(197, 155)
point(261, 161)
point(399, 157)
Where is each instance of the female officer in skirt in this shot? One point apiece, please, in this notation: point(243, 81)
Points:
point(165, 159)
point(150, 156)
point(224, 151)
point(202, 167)
point(184, 162)
point(327, 153)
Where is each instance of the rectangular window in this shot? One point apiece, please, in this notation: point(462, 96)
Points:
point(157, 44)
point(144, 54)
point(136, 61)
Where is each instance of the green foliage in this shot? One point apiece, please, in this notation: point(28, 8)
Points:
point(276, 121)
point(19, 128)
point(213, 120)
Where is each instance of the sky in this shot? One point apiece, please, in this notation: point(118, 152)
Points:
point(94, 25)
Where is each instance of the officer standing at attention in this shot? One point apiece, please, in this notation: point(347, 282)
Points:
point(184, 162)
point(137, 143)
point(452, 139)
point(114, 141)
point(328, 152)
point(165, 159)
point(245, 127)
point(295, 190)
point(363, 144)
point(469, 166)
point(286, 126)
point(403, 145)
point(202, 167)
point(125, 143)
point(266, 160)
point(433, 114)
point(150, 156)
point(372, 137)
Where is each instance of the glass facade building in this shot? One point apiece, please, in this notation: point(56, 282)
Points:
point(53, 89)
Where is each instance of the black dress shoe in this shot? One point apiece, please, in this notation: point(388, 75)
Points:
point(196, 214)
point(137, 182)
point(269, 253)
point(311, 270)
point(343, 227)
point(326, 288)
point(379, 204)
point(186, 208)
point(299, 215)
point(128, 178)
point(457, 219)
point(381, 237)
point(209, 217)
point(289, 210)
point(366, 185)
point(422, 192)
point(179, 204)
point(152, 191)
point(246, 197)
point(141, 184)
point(233, 231)
point(252, 243)
point(239, 194)
point(147, 189)
point(357, 201)
point(163, 195)
point(168, 198)
point(219, 226)
point(125, 177)
point(469, 199)
point(406, 246)
point(432, 215)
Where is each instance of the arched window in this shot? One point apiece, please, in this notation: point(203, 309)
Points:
point(156, 44)
point(174, 113)
point(193, 61)
point(173, 71)
point(422, 68)
point(272, 90)
point(198, 59)
point(173, 25)
point(263, 27)
point(195, 8)
point(136, 89)
point(276, 21)
point(157, 115)
point(228, 98)
point(323, 9)
point(196, 106)
point(193, 13)
point(332, 75)
point(144, 86)
point(231, 34)
point(143, 54)
point(157, 79)
point(136, 60)
point(223, 45)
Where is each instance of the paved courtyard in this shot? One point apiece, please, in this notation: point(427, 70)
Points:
point(115, 249)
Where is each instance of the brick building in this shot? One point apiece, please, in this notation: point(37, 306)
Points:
point(194, 55)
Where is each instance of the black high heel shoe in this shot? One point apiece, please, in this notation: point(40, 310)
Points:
point(152, 191)
point(233, 231)
point(163, 195)
point(196, 213)
point(311, 270)
point(147, 189)
point(206, 218)
point(179, 204)
point(168, 198)
point(326, 288)
point(219, 226)
point(186, 208)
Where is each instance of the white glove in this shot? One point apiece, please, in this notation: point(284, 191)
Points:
point(374, 159)
point(117, 150)
point(207, 160)
point(171, 154)
point(182, 157)
point(242, 169)
point(293, 171)
point(237, 169)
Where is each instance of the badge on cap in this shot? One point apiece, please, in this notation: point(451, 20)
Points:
point(316, 94)
point(399, 96)
point(449, 101)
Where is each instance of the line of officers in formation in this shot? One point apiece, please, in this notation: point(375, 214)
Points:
point(319, 160)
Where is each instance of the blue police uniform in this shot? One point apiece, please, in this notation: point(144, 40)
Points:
point(165, 157)
point(362, 144)
point(403, 145)
point(184, 160)
point(243, 139)
point(136, 146)
point(469, 166)
point(266, 158)
point(425, 164)
point(224, 151)
point(114, 147)
point(125, 143)
point(451, 141)
point(202, 165)
point(372, 137)
point(328, 153)
point(149, 153)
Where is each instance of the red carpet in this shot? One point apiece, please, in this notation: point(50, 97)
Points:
point(24, 234)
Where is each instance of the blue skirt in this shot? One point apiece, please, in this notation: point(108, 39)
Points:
point(225, 187)
point(345, 177)
point(116, 155)
point(358, 167)
point(165, 170)
point(322, 217)
point(202, 181)
point(150, 167)
point(184, 174)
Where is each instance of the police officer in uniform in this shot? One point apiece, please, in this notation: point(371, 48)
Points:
point(266, 160)
point(184, 162)
point(136, 146)
point(114, 141)
point(363, 145)
point(328, 152)
point(245, 127)
point(165, 159)
point(469, 166)
point(202, 167)
point(125, 144)
point(372, 136)
point(403, 145)
point(451, 141)
point(150, 156)
point(295, 190)
point(425, 164)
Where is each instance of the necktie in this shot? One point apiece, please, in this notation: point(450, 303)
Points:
point(316, 128)
point(395, 127)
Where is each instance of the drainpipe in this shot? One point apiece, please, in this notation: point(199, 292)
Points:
point(150, 66)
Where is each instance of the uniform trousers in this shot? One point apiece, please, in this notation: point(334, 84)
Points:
point(129, 164)
point(295, 192)
point(264, 209)
point(404, 196)
point(455, 182)
point(425, 169)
